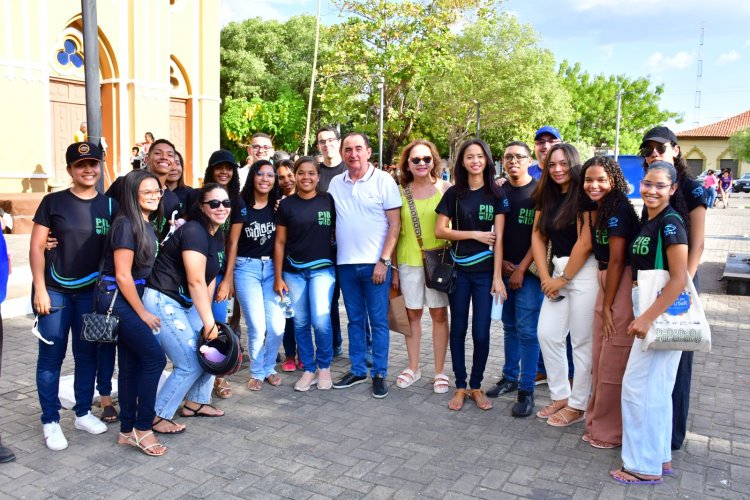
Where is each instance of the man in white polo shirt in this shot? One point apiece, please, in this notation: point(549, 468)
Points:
point(368, 221)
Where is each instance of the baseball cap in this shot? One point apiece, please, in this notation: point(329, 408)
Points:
point(222, 156)
point(659, 134)
point(79, 151)
point(547, 129)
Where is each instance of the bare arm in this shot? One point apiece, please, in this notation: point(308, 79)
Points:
point(539, 249)
point(579, 254)
point(617, 253)
point(391, 238)
point(443, 231)
point(498, 287)
point(195, 268)
point(124, 276)
point(696, 239)
point(38, 242)
point(278, 260)
point(226, 287)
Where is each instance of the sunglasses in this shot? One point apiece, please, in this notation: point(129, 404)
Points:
point(214, 204)
point(648, 149)
point(417, 160)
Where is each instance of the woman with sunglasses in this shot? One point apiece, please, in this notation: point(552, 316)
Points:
point(254, 275)
point(128, 260)
point(420, 164)
point(304, 269)
point(650, 375)
point(689, 200)
point(63, 281)
point(223, 170)
point(179, 292)
point(471, 214)
point(570, 292)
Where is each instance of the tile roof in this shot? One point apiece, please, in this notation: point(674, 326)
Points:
point(720, 129)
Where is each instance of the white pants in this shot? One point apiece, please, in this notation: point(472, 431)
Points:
point(647, 407)
point(574, 314)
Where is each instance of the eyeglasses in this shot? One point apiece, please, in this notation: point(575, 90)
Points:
point(542, 142)
point(660, 186)
point(214, 204)
point(519, 158)
point(267, 175)
point(157, 193)
point(258, 147)
point(323, 142)
point(417, 160)
point(648, 149)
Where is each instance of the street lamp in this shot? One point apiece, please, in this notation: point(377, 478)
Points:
point(617, 123)
point(478, 117)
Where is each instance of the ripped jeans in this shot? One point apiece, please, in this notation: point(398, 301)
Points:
point(178, 337)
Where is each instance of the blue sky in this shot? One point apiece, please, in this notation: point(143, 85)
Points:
point(632, 37)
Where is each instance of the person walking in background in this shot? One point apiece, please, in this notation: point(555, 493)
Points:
point(614, 225)
point(725, 187)
point(710, 184)
point(471, 214)
point(6, 454)
point(421, 191)
point(63, 279)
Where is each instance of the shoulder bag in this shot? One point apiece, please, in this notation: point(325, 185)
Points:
point(101, 327)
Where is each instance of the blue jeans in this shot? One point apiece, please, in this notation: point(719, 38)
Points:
point(219, 309)
point(253, 284)
point(365, 300)
point(141, 361)
point(66, 315)
point(178, 337)
point(710, 198)
point(474, 288)
point(520, 318)
point(311, 292)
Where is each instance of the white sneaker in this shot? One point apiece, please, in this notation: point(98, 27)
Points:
point(90, 424)
point(54, 437)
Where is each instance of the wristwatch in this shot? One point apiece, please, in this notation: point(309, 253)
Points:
point(386, 262)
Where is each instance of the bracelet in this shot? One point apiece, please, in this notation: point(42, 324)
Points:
point(565, 278)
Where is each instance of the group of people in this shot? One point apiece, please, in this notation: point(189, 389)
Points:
point(718, 187)
point(558, 243)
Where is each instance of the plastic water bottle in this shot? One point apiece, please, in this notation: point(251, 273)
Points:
point(286, 303)
point(496, 312)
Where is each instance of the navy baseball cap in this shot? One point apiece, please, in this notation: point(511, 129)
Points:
point(79, 151)
point(222, 156)
point(659, 134)
point(547, 129)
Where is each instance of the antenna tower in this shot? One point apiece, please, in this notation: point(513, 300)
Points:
point(698, 83)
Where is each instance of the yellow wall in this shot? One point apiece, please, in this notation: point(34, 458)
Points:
point(711, 151)
point(138, 41)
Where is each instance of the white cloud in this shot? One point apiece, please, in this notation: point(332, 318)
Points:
point(729, 57)
point(239, 10)
point(680, 60)
point(607, 51)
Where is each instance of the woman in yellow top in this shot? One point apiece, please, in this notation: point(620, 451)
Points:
point(420, 165)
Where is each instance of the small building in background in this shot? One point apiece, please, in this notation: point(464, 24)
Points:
point(707, 147)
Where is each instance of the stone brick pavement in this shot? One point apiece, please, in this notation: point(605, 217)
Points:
point(343, 443)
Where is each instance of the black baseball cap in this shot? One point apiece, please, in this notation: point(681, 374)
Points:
point(79, 151)
point(222, 156)
point(659, 134)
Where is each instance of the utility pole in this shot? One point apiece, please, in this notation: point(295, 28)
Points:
point(91, 75)
point(381, 86)
point(479, 115)
point(312, 82)
point(617, 124)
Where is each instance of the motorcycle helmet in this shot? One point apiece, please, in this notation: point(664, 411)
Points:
point(221, 356)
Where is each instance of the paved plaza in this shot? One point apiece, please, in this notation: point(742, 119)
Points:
point(278, 443)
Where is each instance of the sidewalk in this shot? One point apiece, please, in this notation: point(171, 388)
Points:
point(277, 443)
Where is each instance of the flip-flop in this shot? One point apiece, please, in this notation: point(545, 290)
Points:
point(195, 412)
point(601, 445)
point(274, 379)
point(639, 479)
point(667, 472)
point(161, 419)
point(109, 415)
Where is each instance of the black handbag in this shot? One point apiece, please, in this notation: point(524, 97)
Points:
point(101, 327)
point(438, 265)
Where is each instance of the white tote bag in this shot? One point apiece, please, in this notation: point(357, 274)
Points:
point(683, 326)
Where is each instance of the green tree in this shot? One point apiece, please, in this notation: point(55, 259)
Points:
point(402, 42)
point(594, 101)
point(495, 62)
point(739, 144)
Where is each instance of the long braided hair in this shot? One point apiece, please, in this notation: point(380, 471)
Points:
point(611, 201)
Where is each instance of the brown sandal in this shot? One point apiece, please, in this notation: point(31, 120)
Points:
point(566, 416)
point(552, 408)
point(457, 401)
point(480, 399)
point(222, 389)
point(255, 384)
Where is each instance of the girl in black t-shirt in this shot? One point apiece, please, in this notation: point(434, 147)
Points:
point(614, 225)
point(650, 375)
point(570, 293)
point(471, 214)
point(128, 259)
point(254, 275)
point(689, 200)
point(303, 250)
point(176, 181)
point(179, 292)
point(63, 281)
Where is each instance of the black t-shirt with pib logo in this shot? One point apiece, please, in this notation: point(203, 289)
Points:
point(476, 212)
point(519, 223)
point(624, 224)
point(170, 203)
point(670, 226)
point(310, 225)
point(81, 228)
point(122, 237)
point(257, 236)
point(169, 276)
